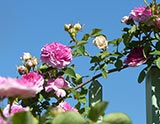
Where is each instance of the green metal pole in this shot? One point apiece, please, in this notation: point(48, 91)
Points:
point(153, 96)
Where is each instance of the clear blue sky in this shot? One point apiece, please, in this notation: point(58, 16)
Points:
point(25, 26)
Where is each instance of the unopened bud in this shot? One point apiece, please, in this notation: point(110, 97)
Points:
point(22, 69)
point(67, 27)
point(77, 27)
point(32, 62)
point(101, 42)
point(35, 61)
point(26, 56)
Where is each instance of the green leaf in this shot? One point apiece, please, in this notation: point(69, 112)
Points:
point(133, 29)
point(69, 117)
point(141, 76)
point(126, 39)
point(119, 63)
point(43, 67)
point(70, 72)
point(115, 42)
point(95, 59)
point(81, 50)
point(158, 46)
point(105, 54)
point(104, 73)
point(158, 63)
point(156, 52)
point(78, 79)
point(92, 67)
point(125, 29)
point(95, 32)
point(117, 118)
point(85, 37)
point(23, 118)
point(82, 42)
point(97, 110)
point(83, 100)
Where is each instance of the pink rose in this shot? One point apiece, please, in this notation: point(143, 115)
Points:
point(56, 55)
point(58, 85)
point(34, 80)
point(2, 121)
point(28, 86)
point(14, 109)
point(66, 107)
point(135, 57)
point(140, 14)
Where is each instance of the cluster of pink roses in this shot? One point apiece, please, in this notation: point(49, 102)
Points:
point(142, 15)
point(8, 111)
point(31, 83)
point(58, 56)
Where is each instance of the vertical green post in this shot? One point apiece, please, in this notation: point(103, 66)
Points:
point(153, 96)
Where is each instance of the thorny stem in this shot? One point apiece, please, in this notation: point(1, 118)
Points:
point(99, 75)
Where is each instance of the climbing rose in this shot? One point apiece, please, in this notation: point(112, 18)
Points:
point(135, 57)
point(56, 55)
point(66, 107)
point(28, 86)
point(58, 85)
point(140, 14)
point(14, 109)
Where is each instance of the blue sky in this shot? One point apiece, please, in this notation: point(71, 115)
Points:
point(25, 26)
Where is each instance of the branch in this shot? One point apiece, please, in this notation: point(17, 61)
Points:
point(86, 82)
point(99, 75)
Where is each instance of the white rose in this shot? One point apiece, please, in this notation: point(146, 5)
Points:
point(101, 42)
